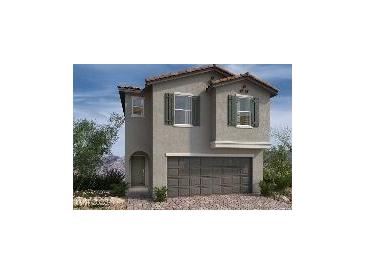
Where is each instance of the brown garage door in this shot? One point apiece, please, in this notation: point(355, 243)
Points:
point(187, 176)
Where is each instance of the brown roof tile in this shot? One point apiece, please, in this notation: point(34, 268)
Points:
point(188, 71)
point(129, 89)
point(274, 91)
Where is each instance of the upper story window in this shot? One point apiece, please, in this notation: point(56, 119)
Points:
point(244, 111)
point(137, 106)
point(182, 109)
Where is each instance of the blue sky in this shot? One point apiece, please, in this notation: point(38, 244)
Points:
point(95, 93)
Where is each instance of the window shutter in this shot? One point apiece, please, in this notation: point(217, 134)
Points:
point(232, 110)
point(169, 108)
point(196, 110)
point(255, 112)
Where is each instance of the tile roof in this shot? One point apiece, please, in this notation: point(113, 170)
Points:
point(130, 89)
point(274, 91)
point(188, 71)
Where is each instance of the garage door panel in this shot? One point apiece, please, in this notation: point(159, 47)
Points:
point(236, 189)
point(184, 182)
point(173, 162)
point(184, 171)
point(195, 162)
point(226, 190)
point(195, 181)
point(206, 191)
point(227, 181)
point(217, 189)
point(206, 171)
point(195, 190)
point(195, 172)
point(184, 191)
point(217, 171)
point(227, 171)
point(172, 172)
point(206, 181)
point(208, 175)
point(172, 191)
point(184, 162)
point(174, 182)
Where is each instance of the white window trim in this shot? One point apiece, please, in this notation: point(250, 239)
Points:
point(191, 110)
point(136, 115)
point(238, 111)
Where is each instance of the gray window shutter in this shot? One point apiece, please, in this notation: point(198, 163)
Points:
point(255, 112)
point(196, 110)
point(232, 110)
point(169, 108)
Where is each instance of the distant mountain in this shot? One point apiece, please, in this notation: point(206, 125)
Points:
point(113, 162)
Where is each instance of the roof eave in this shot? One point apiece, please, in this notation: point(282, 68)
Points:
point(198, 70)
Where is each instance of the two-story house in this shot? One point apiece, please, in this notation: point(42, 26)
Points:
point(200, 131)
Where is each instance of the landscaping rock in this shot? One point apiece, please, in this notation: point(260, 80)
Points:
point(231, 201)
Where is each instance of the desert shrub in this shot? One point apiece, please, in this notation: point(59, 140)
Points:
point(100, 181)
point(160, 194)
point(266, 188)
point(112, 177)
point(119, 189)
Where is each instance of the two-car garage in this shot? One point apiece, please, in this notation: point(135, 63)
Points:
point(188, 176)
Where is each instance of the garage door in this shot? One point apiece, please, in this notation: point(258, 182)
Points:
point(187, 176)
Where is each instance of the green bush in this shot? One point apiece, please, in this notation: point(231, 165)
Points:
point(266, 188)
point(100, 181)
point(119, 189)
point(160, 194)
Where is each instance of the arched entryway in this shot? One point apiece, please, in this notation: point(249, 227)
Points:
point(139, 169)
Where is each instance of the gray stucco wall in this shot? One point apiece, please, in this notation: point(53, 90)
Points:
point(151, 136)
point(222, 132)
point(138, 135)
point(171, 139)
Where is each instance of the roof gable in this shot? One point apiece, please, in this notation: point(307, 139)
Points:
point(189, 71)
point(249, 77)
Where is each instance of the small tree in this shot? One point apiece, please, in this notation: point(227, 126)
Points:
point(277, 163)
point(91, 142)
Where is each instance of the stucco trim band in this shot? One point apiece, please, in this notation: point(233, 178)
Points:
point(207, 155)
point(231, 144)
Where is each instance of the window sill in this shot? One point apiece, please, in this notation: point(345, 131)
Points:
point(242, 126)
point(137, 116)
point(182, 125)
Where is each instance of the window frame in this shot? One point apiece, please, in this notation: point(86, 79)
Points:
point(137, 115)
point(240, 96)
point(190, 124)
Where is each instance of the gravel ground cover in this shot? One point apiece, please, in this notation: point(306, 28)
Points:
point(231, 201)
point(103, 200)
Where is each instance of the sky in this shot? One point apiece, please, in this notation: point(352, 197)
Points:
point(95, 94)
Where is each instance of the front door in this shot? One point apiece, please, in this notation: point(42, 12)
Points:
point(138, 169)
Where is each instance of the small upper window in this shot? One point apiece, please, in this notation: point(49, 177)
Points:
point(182, 109)
point(244, 111)
point(137, 106)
